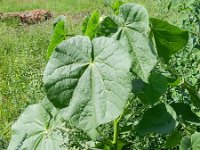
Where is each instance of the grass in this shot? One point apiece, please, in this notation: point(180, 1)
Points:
point(52, 5)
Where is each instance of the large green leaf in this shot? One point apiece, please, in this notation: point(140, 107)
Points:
point(169, 39)
point(151, 92)
point(92, 78)
point(90, 24)
point(184, 112)
point(133, 27)
point(58, 34)
point(159, 119)
point(38, 129)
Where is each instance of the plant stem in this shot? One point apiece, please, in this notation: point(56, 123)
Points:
point(116, 131)
point(116, 125)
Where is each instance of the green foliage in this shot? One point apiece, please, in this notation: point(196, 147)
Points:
point(173, 140)
point(90, 24)
point(185, 114)
point(133, 27)
point(191, 143)
point(58, 34)
point(97, 77)
point(169, 39)
point(94, 80)
point(43, 130)
point(159, 119)
point(149, 93)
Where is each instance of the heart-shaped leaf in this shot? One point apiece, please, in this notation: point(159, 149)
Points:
point(133, 27)
point(169, 39)
point(38, 129)
point(149, 93)
point(92, 78)
point(159, 119)
point(184, 111)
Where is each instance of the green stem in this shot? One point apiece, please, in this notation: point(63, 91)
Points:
point(116, 131)
point(116, 125)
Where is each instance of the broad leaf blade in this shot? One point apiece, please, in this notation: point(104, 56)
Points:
point(57, 37)
point(91, 78)
point(149, 93)
point(173, 140)
point(159, 119)
point(90, 24)
point(169, 39)
point(133, 26)
point(184, 111)
point(36, 129)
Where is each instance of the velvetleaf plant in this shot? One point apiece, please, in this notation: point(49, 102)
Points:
point(91, 79)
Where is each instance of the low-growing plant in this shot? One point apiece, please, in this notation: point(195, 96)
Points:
point(95, 79)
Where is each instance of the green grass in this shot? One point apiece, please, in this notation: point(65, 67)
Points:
point(52, 5)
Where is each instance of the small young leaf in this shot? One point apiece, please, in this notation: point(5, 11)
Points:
point(173, 140)
point(92, 78)
point(159, 119)
point(169, 39)
point(184, 111)
point(133, 26)
point(58, 35)
point(174, 82)
point(116, 4)
point(58, 19)
point(91, 24)
point(150, 93)
point(186, 143)
point(37, 129)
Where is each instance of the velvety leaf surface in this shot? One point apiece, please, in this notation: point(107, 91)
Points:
point(159, 119)
point(58, 34)
point(133, 27)
point(92, 78)
point(149, 93)
point(38, 129)
point(184, 111)
point(169, 39)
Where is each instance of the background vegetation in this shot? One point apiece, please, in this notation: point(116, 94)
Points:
point(23, 57)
